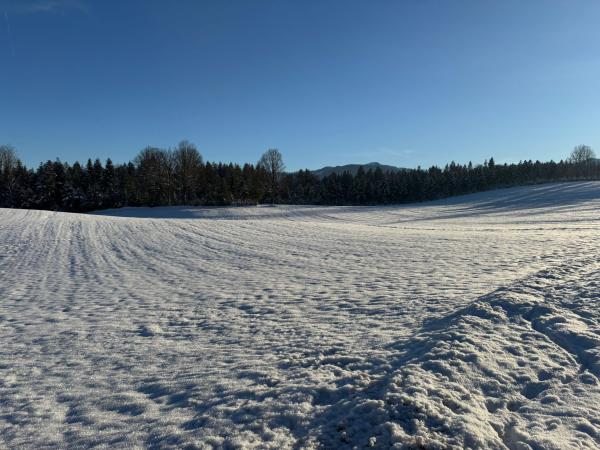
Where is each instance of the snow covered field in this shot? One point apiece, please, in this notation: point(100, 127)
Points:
point(470, 322)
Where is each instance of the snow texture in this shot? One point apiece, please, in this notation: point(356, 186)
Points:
point(466, 323)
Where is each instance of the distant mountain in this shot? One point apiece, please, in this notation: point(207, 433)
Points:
point(353, 168)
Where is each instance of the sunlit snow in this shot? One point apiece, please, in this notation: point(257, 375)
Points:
point(470, 322)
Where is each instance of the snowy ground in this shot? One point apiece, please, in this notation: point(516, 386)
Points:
point(471, 322)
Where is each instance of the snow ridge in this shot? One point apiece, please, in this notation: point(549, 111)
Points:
point(507, 371)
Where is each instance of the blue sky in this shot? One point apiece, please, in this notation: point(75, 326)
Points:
point(413, 82)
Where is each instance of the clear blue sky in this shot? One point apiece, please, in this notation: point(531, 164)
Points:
point(413, 82)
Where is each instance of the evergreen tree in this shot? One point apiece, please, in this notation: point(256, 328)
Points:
point(163, 177)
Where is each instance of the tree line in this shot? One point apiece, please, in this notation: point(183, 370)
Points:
point(160, 177)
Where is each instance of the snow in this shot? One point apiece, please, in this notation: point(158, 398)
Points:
point(469, 322)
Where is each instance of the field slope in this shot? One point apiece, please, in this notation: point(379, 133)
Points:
point(471, 322)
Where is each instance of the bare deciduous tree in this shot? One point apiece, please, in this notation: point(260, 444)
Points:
point(8, 164)
point(272, 162)
point(8, 158)
point(581, 154)
point(187, 163)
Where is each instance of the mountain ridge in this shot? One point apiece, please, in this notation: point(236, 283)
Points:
point(353, 169)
